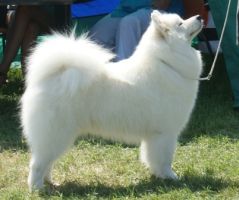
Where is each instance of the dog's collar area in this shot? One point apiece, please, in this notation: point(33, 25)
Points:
point(207, 78)
point(180, 74)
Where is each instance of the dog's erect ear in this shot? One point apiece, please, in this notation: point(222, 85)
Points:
point(159, 24)
point(155, 16)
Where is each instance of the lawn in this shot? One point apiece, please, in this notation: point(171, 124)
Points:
point(207, 158)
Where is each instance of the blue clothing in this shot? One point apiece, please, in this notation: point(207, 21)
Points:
point(91, 8)
point(122, 30)
point(129, 6)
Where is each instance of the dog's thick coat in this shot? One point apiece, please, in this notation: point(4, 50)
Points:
point(72, 89)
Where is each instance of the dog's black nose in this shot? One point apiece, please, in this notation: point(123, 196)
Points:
point(199, 18)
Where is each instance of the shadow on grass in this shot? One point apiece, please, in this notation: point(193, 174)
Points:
point(10, 131)
point(153, 186)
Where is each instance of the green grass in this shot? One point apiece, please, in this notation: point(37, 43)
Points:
point(207, 158)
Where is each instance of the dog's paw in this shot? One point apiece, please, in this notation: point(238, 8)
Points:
point(172, 175)
point(166, 174)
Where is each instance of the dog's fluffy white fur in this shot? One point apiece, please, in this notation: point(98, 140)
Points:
point(73, 89)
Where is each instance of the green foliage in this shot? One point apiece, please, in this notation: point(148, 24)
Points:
point(206, 160)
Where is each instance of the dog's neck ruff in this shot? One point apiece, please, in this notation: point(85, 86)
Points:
point(177, 71)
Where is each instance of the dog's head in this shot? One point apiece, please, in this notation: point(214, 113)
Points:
point(173, 26)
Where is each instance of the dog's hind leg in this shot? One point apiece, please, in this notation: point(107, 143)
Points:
point(38, 168)
point(44, 153)
point(48, 176)
point(157, 154)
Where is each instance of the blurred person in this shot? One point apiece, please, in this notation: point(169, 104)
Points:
point(123, 28)
point(28, 23)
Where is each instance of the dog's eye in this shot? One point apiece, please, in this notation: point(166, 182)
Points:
point(180, 24)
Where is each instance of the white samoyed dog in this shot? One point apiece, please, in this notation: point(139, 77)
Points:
point(73, 88)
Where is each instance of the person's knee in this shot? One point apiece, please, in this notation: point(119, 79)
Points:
point(104, 31)
point(129, 22)
point(33, 28)
point(24, 11)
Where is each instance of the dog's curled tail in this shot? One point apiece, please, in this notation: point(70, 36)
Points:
point(59, 53)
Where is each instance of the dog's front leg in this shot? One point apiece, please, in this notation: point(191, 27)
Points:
point(157, 154)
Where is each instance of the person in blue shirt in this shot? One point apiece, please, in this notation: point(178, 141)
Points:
point(122, 29)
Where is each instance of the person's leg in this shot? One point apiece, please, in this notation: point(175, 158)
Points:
point(40, 22)
point(229, 47)
point(130, 31)
point(32, 32)
point(18, 32)
point(43, 17)
point(104, 31)
point(15, 35)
